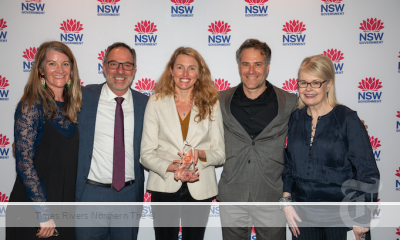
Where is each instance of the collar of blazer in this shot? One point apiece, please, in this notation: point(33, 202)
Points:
point(171, 118)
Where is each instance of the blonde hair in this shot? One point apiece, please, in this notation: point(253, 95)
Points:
point(34, 92)
point(321, 67)
point(204, 95)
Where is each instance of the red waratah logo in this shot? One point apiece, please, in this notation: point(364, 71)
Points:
point(335, 55)
point(294, 27)
point(30, 54)
point(222, 84)
point(182, 2)
point(399, 55)
point(290, 85)
point(397, 171)
point(371, 25)
point(71, 26)
point(37, 1)
point(3, 83)
point(375, 143)
point(254, 2)
point(147, 197)
point(398, 231)
point(219, 27)
point(101, 55)
point(398, 112)
point(81, 83)
point(145, 27)
point(3, 197)
point(332, 1)
point(370, 84)
point(214, 202)
point(146, 85)
point(3, 141)
point(2, 24)
point(108, 1)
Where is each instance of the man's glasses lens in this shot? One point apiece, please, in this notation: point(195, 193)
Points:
point(115, 65)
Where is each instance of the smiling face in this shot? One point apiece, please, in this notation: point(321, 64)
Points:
point(184, 72)
point(56, 70)
point(253, 70)
point(313, 97)
point(119, 80)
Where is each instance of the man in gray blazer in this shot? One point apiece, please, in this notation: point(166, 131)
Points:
point(256, 116)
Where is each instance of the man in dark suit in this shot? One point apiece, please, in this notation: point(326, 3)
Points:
point(110, 125)
point(256, 116)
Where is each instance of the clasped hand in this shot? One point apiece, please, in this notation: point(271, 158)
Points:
point(181, 167)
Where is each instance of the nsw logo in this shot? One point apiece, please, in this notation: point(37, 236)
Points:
point(3, 34)
point(219, 37)
point(101, 58)
point(146, 211)
point(221, 84)
point(397, 181)
point(376, 213)
point(336, 56)
point(71, 30)
point(253, 234)
point(369, 94)
point(3, 92)
point(145, 86)
point(375, 143)
point(32, 7)
point(182, 8)
point(3, 199)
point(145, 29)
point(256, 8)
point(371, 31)
point(291, 86)
point(29, 55)
point(214, 209)
point(398, 122)
point(332, 7)
point(108, 8)
point(4, 150)
point(294, 36)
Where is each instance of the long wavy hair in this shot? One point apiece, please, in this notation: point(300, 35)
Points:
point(204, 95)
point(34, 92)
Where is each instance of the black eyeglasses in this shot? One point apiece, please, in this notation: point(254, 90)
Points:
point(315, 84)
point(125, 65)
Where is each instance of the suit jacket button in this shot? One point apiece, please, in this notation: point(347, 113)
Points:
point(249, 161)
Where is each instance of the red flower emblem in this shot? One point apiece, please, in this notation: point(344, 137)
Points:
point(214, 202)
point(101, 55)
point(3, 83)
point(371, 25)
point(145, 27)
point(182, 2)
point(398, 231)
point(3, 197)
point(399, 55)
point(332, 1)
point(397, 171)
point(222, 84)
point(3, 141)
point(108, 1)
point(30, 53)
point(71, 26)
point(370, 84)
point(290, 85)
point(219, 28)
point(81, 83)
point(253, 231)
point(398, 112)
point(254, 2)
point(2, 24)
point(335, 55)
point(375, 143)
point(294, 27)
point(147, 197)
point(37, 1)
point(145, 86)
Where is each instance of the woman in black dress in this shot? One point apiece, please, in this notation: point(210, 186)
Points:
point(46, 141)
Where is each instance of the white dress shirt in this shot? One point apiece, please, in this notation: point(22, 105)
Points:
point(101, 168)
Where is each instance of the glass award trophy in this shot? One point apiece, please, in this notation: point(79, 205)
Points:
point(187, 160)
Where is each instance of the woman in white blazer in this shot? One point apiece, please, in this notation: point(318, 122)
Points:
point(185, 107)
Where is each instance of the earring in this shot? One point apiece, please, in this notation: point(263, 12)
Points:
point(69, 83)
point(43, 81)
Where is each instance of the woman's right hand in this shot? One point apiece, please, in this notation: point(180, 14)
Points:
point(292, 217)
point(46, 229)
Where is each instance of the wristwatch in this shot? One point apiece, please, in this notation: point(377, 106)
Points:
point(284, 202)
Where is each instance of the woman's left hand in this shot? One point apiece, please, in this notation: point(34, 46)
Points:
point(359, 231)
